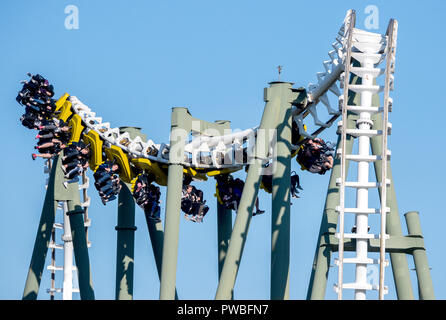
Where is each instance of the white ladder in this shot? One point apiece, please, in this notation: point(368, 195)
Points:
point(369, 49)
point(67, 289)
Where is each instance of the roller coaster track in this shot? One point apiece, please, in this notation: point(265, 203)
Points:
point(316, 98)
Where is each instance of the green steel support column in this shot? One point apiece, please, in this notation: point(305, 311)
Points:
point(171, 232)
point(321, 264)
point(125, 252)
point(80, 249)
point(156, 234)
point(41, 243)
point(278, 94)
point(224, 229)
point(425, 285)
point(280, 215)
point(400, 266)
point(173, 203)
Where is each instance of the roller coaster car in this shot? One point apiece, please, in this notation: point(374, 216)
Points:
point(76, 128)
point(61, 101)
point(214, 173)
point(298, 160)
point(195, 174)
point(296, 137)
point(65, 111)
point(92, 138)
point(116, 153)
point(133, 183)
point(217, 190)
point(152, 167)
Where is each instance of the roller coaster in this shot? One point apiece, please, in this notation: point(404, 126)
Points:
point(358, 77)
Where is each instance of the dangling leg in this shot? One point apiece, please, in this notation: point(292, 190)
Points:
point(258, 211)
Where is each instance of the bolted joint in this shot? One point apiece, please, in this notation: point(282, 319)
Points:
point(75, 211)
point(364, 121)
point(66, 238)
point(119, 228)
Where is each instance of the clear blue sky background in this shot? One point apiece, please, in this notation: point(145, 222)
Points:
point(132, 61)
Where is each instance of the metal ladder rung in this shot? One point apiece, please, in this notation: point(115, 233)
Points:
point(356, 236)
point(87, 223)
point(370, 158)
point(361, 286)
point(59, 268)
point(53, 245)
point(361, 210)
point(357, 157)
point(60, 290)
point(356, 184)
point(86, 203)
point(359, 88)
point(84, 186)
point(363, 132)
point(54, 268)
point(58, 225)
point(361, 236)
point(356, 260)
point(359, 109)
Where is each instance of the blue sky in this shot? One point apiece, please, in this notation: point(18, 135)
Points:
point(132, 61)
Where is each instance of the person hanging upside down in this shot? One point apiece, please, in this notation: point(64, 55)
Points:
point(316, 156)
point(147, 196)
point(231, 190)
point(107, 181)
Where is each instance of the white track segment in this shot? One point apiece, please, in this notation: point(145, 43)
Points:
point(216, 148)
point(66, 248)
point(369, 49)
point(327, 82)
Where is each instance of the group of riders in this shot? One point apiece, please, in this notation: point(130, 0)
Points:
point(147, 196)
point(36, 96)
point(54, 135)
point(107, 181)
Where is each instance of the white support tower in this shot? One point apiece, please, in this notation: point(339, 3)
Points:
point(68, 267)
point(369, 50)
